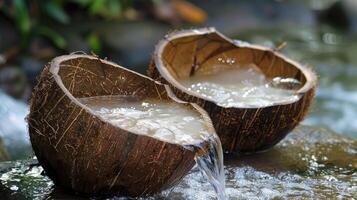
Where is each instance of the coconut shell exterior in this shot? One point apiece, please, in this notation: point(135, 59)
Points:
point(184, 53)
point(81, 152)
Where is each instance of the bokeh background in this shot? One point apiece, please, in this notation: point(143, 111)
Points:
point(318, 33)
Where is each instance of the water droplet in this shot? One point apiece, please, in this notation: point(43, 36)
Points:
point(285, 83)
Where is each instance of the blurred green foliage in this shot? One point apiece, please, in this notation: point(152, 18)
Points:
point(32, 17)
point(94, 42)
point(105, 8)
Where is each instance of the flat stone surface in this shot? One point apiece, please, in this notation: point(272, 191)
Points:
point(310, 163)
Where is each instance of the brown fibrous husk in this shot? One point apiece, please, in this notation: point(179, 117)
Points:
point(85, 154)
point(182, 53)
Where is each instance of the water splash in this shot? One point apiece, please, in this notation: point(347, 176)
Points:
point(211, 166)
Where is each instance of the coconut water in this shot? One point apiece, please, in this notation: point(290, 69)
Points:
point(166, 121)
point(246, 86)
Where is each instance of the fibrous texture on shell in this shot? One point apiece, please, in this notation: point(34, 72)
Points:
point(182, 54)
point(82, 152)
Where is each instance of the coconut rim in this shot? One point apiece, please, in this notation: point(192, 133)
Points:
point(54, 69)
point(309, 74)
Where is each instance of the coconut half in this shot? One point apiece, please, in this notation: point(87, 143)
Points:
point(241, 129)
point(84, 153)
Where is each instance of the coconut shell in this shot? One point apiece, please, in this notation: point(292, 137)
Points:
point(184, 53)
point(81, 152)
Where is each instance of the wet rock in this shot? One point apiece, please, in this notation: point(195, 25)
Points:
point(310, 163)
point(13, 128)
point(24, 180)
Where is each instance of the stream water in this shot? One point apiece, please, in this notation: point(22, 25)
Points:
point(309, 164)
point(166, 121)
